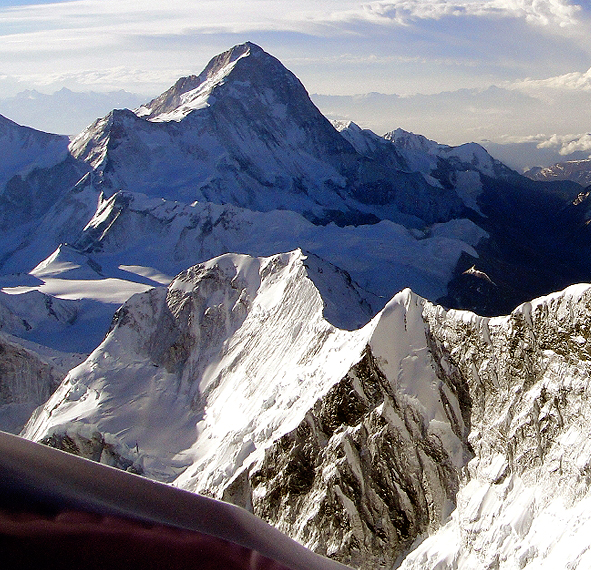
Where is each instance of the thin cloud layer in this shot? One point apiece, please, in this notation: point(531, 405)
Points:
point(544, 12)
point(110, 19)
point(575, 81)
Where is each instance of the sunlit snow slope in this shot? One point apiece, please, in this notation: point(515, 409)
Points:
point(525, 499)
point(200, 384)
point(239, 159)
point(465, 431)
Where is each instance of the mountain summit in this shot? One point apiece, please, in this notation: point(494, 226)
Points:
point(239, 159)
point(245, 132)
point(250, 93)
point(241, 72)
point(188, 89)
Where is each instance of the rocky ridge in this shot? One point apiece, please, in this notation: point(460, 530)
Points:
point(575, 170)
point(29, 374)
point(424, 424)
point(526, 485)
point(358, 452)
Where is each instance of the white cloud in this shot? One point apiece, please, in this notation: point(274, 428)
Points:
point(155, 17)
point(567, 144)
point(113, 17)
point(575, 81)
point(545, 12)
point(563, 144)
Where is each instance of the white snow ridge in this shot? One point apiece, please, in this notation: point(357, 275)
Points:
point(231, 383)
point(356, 443)
point(428, 424)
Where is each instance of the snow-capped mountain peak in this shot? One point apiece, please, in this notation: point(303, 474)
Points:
point(269, 381)
point(235, 361)
point(192, 92)
point(197, 92)
point(411, 141)
point(178, 349)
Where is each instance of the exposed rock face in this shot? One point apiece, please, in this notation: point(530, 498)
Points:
point(35, 171)
point(28, 197)
point(27, 380)
point(92, 447)
point(530, 248)
point(20, 373)
point(528, 375)
point(575, 170)
point(361, 477)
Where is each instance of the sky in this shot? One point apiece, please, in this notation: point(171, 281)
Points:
point(538, 52)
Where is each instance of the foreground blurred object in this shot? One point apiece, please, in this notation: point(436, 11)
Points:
point(61, 511)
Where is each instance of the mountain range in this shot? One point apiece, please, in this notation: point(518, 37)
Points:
point(575, 170)
point(375, 111)
point(296, 324)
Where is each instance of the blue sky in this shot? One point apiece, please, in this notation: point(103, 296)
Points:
point(341, 47)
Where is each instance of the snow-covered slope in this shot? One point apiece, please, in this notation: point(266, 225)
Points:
point(416, 148)
point(237, 159)
point(133, 242)
point(458, 169)
point(35, 170)
point(525, 498)
point(187, 336)
point(202, 383)
point(464, 431)
point(27, 312)
point(245, 132)
point(133, 230)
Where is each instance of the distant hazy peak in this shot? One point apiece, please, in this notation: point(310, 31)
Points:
point(576, 170)
point(412, 141)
